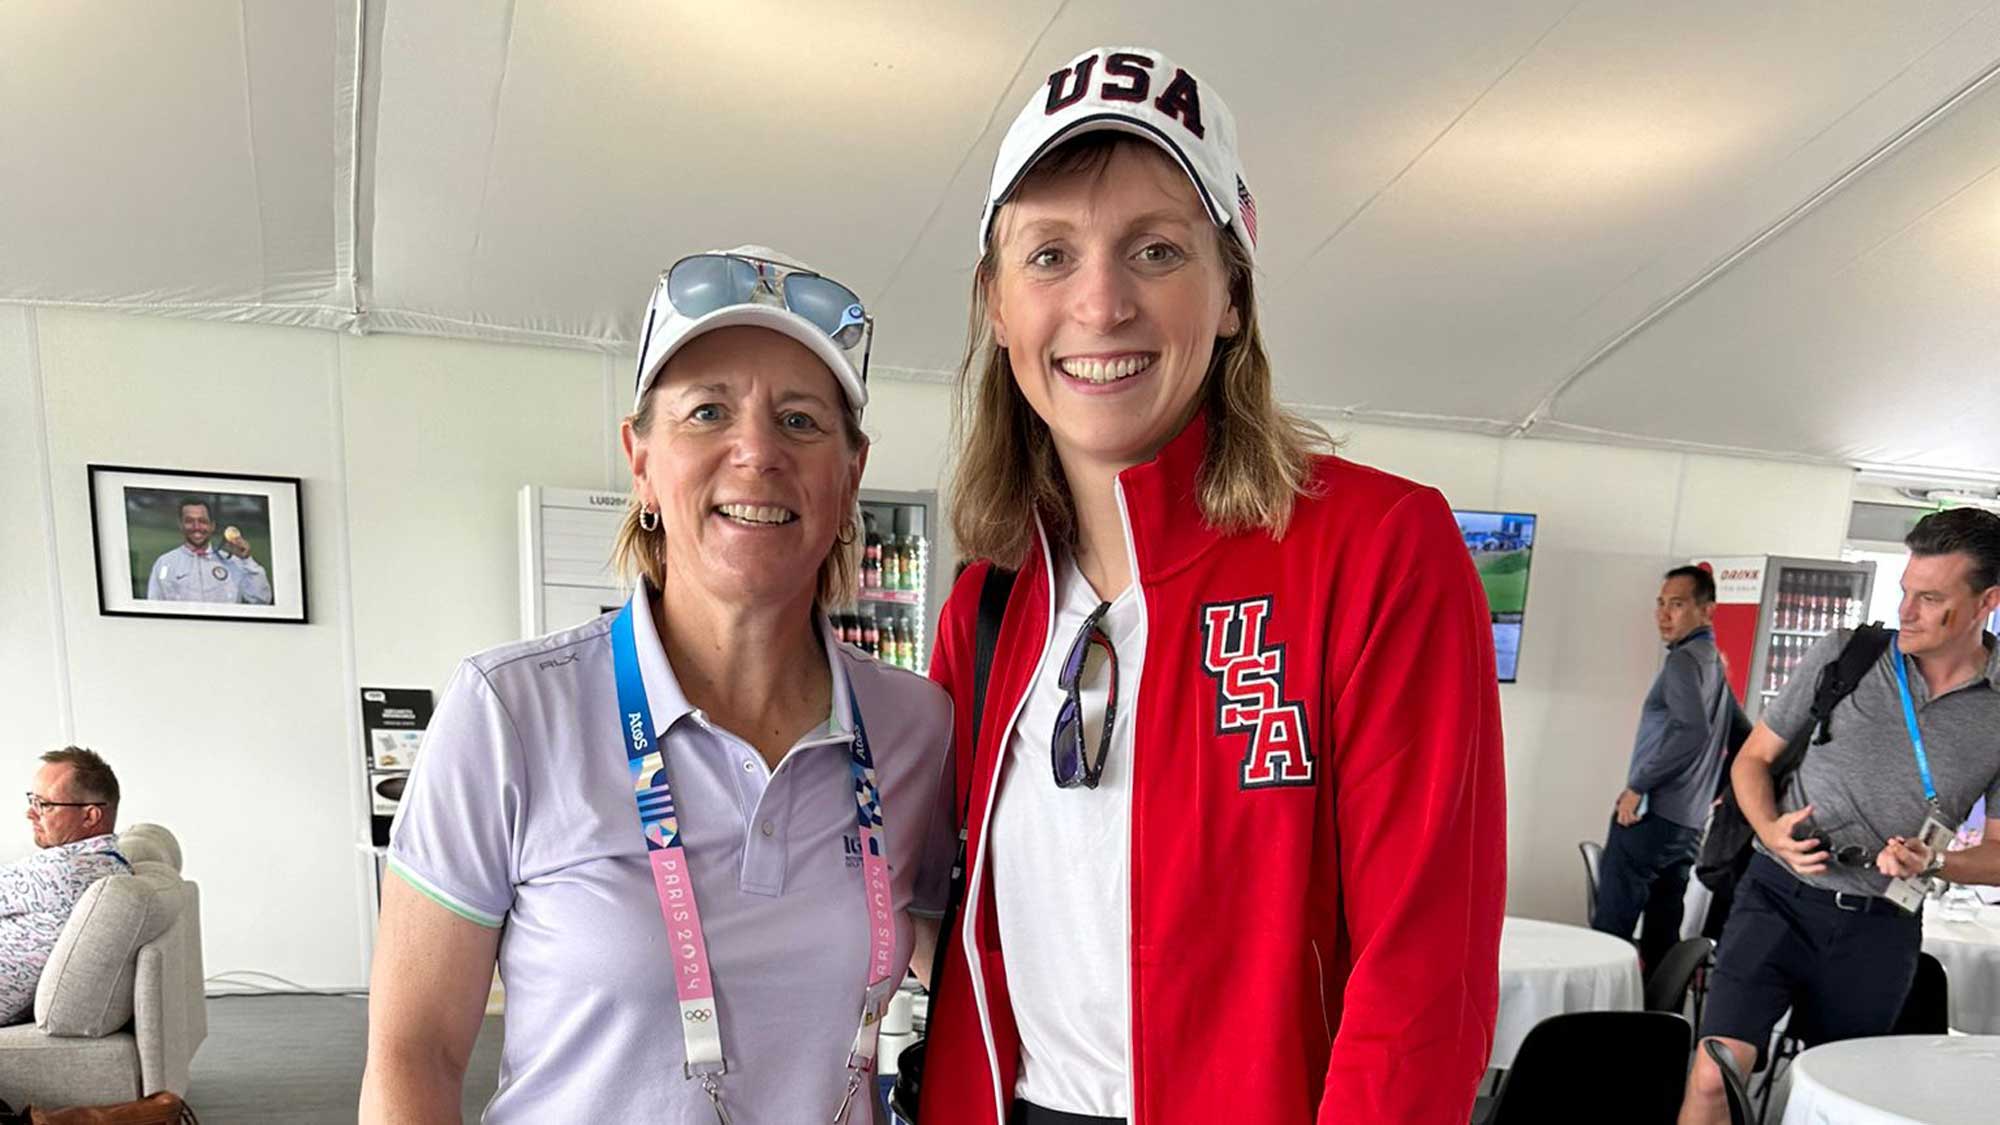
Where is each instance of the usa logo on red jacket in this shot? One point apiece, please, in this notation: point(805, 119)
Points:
point(1249, 680)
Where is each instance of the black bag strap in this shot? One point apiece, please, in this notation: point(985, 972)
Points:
point(1837, 680)
point(993, 594)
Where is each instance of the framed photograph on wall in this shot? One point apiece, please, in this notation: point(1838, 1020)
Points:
point(173, 543)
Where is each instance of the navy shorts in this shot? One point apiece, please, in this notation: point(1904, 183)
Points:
point(1845, 973)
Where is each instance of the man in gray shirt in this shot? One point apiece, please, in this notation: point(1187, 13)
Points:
point(1811, 930)
point(1685, 732)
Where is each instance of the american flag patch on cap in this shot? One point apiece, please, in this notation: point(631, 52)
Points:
point(1246, 210)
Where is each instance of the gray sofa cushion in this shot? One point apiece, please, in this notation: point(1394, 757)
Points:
point(150, 841)
point(37, 1069)
point(86, 988)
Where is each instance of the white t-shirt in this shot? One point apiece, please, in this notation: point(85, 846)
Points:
point(1061, 866)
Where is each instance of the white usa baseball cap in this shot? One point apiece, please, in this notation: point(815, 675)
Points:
point(759, 287)
point(1142, 93)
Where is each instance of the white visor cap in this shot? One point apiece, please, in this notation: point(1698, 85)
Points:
point(666, 330)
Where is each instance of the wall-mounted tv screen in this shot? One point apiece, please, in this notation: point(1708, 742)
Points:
point(1502, 544)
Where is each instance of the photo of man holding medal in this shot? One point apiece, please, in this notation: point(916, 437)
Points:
point(205, 566)
point(1828, 919)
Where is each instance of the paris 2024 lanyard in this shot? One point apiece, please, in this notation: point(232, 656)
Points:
point(701, 1025)
point(1910, 721)
point(1937, 833)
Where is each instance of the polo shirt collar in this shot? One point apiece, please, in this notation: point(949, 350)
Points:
point(663, 691)
point(1700, 631)
point(670, 705)
point(840, 711)
point(102, 842)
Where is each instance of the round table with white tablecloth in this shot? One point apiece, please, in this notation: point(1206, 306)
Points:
point(1965, 938)
point(1897, 1080)
point(1547, 969)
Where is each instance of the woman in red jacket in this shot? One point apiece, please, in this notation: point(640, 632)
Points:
point(1235, 809)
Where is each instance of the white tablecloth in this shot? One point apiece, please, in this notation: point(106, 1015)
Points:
point(1969, 948)
point(1547, 968)
point(1902, 1080)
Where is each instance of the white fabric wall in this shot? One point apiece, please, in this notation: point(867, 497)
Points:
point(1612, 520)
point(244, 739)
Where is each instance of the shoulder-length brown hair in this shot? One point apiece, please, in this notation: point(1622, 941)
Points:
point(638, 553)
point(1258, 454)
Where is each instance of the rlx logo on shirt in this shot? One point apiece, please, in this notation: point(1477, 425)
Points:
point(850, 846)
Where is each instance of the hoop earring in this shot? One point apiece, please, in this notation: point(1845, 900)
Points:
point(848, 533)
point(654, 525)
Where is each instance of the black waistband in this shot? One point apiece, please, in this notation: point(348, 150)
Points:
point(1779, 879)
point(1028, 1113)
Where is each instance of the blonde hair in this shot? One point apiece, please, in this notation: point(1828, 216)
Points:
point(638, 553)
point(1254, 468)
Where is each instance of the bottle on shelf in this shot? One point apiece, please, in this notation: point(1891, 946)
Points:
point(892, 564)
point(871, 562)
point(892, 640)
point(916, 559)
point(871, 635)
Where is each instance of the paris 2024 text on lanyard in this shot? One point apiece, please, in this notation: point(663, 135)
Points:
point(701, 1022)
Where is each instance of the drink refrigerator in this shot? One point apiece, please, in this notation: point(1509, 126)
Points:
point(904, 577)
point(1770, 609)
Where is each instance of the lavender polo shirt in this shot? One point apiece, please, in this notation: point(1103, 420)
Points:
point(520, 815)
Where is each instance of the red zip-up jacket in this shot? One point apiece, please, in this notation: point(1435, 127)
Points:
point(1318, 850)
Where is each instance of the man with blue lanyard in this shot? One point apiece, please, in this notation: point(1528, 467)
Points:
point(1687, 725)
point(200, 571)
point(1827, 920)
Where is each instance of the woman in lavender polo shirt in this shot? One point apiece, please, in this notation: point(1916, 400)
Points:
point(692, 833)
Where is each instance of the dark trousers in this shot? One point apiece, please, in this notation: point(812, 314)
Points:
point(1843, 966)
point(1644, 873)
point(1027, 1113)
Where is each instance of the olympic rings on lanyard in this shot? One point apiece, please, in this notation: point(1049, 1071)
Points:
point(659, 822)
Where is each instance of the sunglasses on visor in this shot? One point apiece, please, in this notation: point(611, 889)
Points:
point(702, 283)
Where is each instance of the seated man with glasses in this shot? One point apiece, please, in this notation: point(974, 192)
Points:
point(72, 809)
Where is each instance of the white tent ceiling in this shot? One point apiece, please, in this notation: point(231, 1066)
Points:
point(1768, 227)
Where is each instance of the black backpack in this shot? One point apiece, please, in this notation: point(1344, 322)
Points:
point(1725, 851)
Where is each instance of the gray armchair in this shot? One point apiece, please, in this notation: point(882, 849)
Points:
point(120, 1008)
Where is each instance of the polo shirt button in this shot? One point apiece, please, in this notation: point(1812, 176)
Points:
point(748, 765)
point(769, 828)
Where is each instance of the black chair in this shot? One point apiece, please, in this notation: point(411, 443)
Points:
point(1790, 1041)
point(1593, 858)
point(1733, 1088)
point(1618, 1066)
point(1667, 986)
point(1927, 1009)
